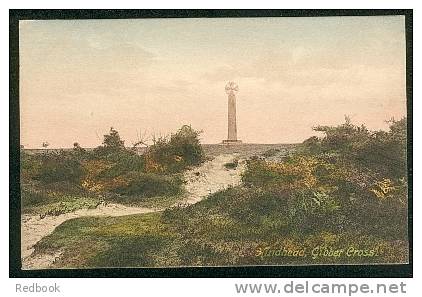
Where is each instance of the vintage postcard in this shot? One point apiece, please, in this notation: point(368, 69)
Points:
point(213, 142)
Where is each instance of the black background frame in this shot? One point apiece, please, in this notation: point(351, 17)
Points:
point(356, 271)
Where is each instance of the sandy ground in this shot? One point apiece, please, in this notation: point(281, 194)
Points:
point(210, 177)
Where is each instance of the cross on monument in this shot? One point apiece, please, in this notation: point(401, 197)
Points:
point(231, 90)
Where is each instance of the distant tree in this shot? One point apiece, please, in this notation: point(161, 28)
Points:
point(112, 143)
point(112, 140)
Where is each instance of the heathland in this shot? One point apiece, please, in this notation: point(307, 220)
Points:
point(338, 198)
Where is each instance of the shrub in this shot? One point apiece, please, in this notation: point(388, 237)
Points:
point(351, 178)
point(384, 152)
point(232, 165)
point(182, 149)
point(29, 166)
point(122, 162)
point(271, 153)
point(150, 185)
point(30, 197)
point(57, 167)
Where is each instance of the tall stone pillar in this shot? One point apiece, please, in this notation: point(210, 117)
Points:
point(232, 129)
point(231, 89)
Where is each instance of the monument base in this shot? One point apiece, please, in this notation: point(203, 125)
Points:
point(231, 142)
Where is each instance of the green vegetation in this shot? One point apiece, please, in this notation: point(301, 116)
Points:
point(55, 200)
point(350, 180)
point(232, 165)
point(270, 153)
point(58, 182)
point(345, 192)
point(175, 154)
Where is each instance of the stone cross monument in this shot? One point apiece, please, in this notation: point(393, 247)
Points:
point(231, 90)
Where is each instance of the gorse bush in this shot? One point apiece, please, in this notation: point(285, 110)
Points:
point(122, 162)
point(59, 167)
point(379, 150)
point(150, 185)
point(173, 154)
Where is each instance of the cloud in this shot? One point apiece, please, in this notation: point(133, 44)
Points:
point(305, 66)
point(83, 65)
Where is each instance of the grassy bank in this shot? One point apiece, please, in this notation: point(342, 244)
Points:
point(213, 233)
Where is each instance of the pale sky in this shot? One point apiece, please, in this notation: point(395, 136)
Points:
point(80, 77)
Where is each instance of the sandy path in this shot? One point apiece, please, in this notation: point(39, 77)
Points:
point(210, 177)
